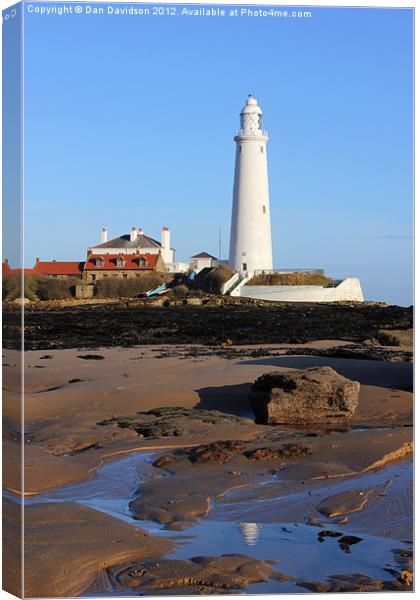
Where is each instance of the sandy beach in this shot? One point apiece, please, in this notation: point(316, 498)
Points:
point(86, 415)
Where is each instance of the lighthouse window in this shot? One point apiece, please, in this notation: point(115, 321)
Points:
point(264, 210)
point(243, 266)
point(262, 149)
point(240, 149)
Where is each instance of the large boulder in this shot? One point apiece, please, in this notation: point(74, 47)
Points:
point(300, 397)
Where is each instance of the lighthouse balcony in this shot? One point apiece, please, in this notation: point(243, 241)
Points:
point(259, 132)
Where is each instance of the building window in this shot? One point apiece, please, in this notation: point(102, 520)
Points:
point(244, 267)
point(264, 210)
point(243, 253)
point(125, 275)
point(105, 275)
point(93, 277)
point(262, 149)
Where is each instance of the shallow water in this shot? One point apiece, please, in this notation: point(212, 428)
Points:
point(239, 524)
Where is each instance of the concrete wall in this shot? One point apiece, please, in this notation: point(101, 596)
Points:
point(242, 281)
point(348, 290)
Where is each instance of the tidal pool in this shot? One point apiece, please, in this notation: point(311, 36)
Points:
point(241, 524)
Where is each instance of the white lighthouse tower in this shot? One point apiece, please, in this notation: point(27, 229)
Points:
point(250, 238)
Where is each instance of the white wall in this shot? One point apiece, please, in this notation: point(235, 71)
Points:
point(177, 267)
point(348, 290)
point(197, 264)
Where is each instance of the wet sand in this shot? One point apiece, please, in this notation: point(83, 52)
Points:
point(67, 396)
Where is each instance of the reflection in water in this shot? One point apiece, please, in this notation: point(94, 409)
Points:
point(250, 532)
point(299, 554)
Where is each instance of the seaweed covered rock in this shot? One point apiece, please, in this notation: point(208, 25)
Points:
point(301, 397)
point(201, 574)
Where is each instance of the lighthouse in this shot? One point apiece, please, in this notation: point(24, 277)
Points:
point(250, 238)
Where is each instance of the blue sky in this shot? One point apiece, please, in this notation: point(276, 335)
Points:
point(129, 120)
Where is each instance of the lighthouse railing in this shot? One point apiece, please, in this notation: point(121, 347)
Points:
point(259, 132)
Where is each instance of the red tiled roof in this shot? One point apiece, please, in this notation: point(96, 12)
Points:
point(57, 267)
point(131, 261)
point(7, 270)
point(5, 267)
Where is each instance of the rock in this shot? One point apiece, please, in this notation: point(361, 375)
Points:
point(200, 574)
point(194, 301)
point(303, 397)
point(328, 533)
point(186, 508)
point(357, 582)
point(350, 540)
point(346, 502)
point(288, 452)
point(216, 452)
point(395, 337)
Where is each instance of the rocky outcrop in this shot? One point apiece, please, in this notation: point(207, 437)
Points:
point(395, 337)
point(301, 397)
point(201, 574)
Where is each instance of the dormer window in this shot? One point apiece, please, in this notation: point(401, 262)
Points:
point(98, 261)
point(140, 261)
point(120, 262)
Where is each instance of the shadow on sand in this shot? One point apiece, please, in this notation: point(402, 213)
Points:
point(233, 399)
point(230, 399)
point(396, 375)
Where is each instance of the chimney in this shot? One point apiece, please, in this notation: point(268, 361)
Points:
point(133, 234)
point(104, 235)
point(166, 238)
point(6, 260)
point(141, 232)
point(37, 260)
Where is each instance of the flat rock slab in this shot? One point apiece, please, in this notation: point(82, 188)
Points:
point(304, 397)
point(202, 574)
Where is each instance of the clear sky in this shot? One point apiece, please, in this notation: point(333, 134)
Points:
point(129, 120)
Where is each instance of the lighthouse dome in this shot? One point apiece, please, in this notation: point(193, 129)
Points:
point(251, 107)
point(251, 118)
